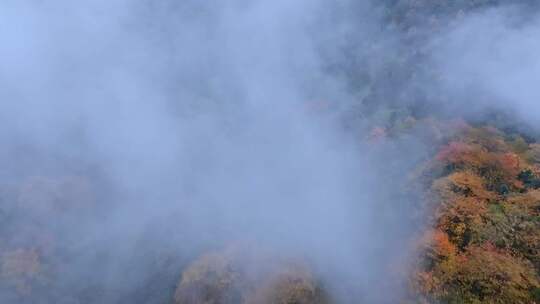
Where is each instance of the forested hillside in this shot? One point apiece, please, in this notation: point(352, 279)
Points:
point(270, 153)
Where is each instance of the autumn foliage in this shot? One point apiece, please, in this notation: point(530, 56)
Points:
point(239, 275)
point(484, 247)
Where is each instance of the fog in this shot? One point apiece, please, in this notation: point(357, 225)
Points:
point(196, 124)
point(490, 59)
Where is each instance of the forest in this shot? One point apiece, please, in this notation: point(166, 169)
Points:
point(270, 152)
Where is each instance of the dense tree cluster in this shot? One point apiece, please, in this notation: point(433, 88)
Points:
point(244, 275)
point(485, 243)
